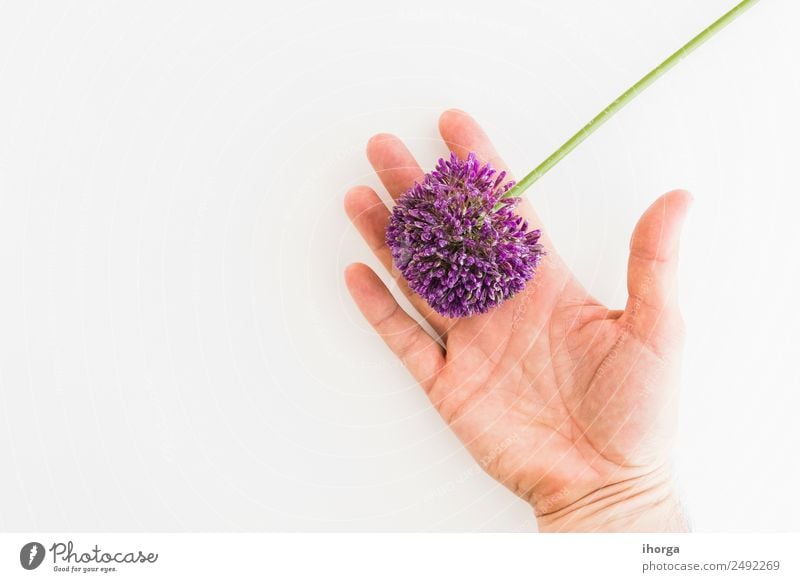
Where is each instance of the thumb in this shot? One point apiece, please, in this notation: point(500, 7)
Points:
point(653, 265)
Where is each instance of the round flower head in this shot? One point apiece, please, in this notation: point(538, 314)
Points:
point(458, 244)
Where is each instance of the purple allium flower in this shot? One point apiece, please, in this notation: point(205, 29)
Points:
point(454, 248)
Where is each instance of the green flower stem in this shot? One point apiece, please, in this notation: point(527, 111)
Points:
point(626, 98)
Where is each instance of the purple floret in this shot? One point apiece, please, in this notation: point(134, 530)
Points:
point(451, 245)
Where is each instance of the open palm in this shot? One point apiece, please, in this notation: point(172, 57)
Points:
point(561, 399)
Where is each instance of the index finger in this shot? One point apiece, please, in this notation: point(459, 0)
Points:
point(463, 135)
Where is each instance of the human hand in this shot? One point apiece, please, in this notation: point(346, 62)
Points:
point(569, 404)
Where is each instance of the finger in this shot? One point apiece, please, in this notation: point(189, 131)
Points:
point(416, 349)
point(394, 164)
point(370, 216)
point(653, 265)
point(463, 135)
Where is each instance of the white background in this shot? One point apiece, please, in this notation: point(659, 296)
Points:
point(177, 349)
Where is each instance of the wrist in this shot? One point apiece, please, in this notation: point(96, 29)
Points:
point(642, 503)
